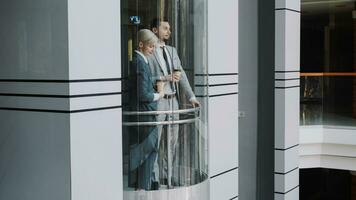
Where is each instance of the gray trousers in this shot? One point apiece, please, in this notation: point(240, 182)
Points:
point(167, 134)
point(153, 162)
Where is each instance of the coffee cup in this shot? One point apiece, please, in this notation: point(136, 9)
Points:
point(159, 85)
point(177, 73)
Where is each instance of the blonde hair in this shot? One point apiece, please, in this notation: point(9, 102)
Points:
point(147, 37)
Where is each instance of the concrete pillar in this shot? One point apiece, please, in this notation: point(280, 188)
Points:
point(34, 103)
point(223, 99)
point(95, 74)
point(287, 68)
point(248, 88)
point(60, 100)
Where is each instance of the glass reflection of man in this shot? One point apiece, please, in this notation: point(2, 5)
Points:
point(166, 66)
point(144, 97)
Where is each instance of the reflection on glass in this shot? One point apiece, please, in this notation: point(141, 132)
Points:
point(311, 100)
point(327, 99)
point(328, 89)
point(164, 115)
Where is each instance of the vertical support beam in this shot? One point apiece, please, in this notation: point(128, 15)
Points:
point(266, 63)
point(354, 46)
point(287, 67)
point(34, 117)
point(95, 121)
point(248, 90)
point(223, 99)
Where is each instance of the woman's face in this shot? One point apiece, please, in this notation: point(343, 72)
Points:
point(147, 48)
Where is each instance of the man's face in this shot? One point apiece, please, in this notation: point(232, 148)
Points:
point(164, 31)
point(147, 49)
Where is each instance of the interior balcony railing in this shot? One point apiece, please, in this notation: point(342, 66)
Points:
point(188, 158)
point(328, 98)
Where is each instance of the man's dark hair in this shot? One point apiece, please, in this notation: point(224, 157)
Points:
point(157, 21)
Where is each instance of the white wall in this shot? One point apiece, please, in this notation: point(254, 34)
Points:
point(94, 39)
point(95, 131)
point(328, 147)
point(223, 100)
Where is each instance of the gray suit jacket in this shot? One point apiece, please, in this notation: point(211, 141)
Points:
point(157, 70)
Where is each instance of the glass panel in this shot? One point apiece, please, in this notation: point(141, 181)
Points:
point(164, 98)
point(311, 100)
point(338, 101)
point(328, 89)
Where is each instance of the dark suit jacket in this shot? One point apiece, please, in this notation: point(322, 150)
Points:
point(141, 95)
point(141, 86)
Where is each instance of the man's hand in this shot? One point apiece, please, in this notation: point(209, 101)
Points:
point(175, 77)
point(160, 86)
point(195, 102)
point(167, 78)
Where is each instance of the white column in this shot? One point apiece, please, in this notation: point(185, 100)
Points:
point(287, 45)
point(34, 118)
point(223, 98)
point(95, 120)
point(34, 134)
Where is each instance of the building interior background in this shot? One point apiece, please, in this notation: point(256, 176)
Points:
point(327, 92)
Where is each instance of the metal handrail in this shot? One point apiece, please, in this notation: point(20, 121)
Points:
point(160, 112)
point(183, 121)
point(195, 120)
point(194, 111)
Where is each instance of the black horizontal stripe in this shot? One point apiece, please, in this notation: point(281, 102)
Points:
point(287, 191)
point(287, 79)
point(297, 11)
point(295, 86)
point(215, 85)
point(286, 148)
point(217, 95)
point(60, 111)
point(234, 197)
point(222, 84)
point(60, 81)
point(60, 96)
point(218, 74)
point(284, 173)
point(286, 71)
point(224, 172)
point(201, 96)
point(226, 94)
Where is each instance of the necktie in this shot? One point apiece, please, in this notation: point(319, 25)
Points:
point(166, 59)
point(168, 66)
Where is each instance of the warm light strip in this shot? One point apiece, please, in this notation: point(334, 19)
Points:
point(328, 74)
point(325, 2)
